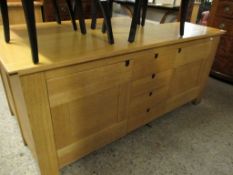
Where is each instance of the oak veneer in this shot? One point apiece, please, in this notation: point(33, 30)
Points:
point(86, 93)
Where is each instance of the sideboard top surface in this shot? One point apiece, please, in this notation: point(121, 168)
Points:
point(60, 46)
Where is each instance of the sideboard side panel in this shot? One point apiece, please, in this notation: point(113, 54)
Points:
point(205, 70)
point(21, 113)
point(36, 99)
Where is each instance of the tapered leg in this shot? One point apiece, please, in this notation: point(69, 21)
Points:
point(104, 6)
point(94, 13)
point(110, 12)
point(139, 12)
point(72, 16)
point(42, 13)
point(5, 20)
point(28, 7)
point(183, 15)
point(144, 10)
point(79, 9)
point(133, 27)
point(56, 10)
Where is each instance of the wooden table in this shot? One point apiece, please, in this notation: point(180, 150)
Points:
point(85, 93)
point(169, 8)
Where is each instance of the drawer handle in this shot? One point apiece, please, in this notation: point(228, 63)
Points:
point(156, 55)
point(148, 110)
point(127, 63)
point(151, 93)
point(227, 9)
point(179, 50)
point(222, 26)
point(153, 75)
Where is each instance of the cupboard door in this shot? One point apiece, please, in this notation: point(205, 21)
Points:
point(88, 108)
point(185, 77)
point(185, 84)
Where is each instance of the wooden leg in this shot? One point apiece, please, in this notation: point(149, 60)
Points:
point(133, 27)
point(94, 13)
point(104, 6)
point(5, 20)
point(183, 15)
point(79, 9)
point(72, 16)
point(28, 7)
point(144, 10)
point(196, 101)
point(56, 10)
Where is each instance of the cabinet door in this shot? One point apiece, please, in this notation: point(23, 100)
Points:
point(184, 85)
point(88, 109)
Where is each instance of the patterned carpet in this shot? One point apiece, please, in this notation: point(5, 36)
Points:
point(192, 140)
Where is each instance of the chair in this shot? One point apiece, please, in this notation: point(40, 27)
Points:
point(106, 9)
point(28, 7)
point(142, 4)
point(107, 13)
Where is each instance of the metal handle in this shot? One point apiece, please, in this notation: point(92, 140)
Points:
point(227, 9)
point(222, 26)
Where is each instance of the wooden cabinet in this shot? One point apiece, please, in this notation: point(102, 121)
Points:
point(221, 16)
point(86, 93)
point(49, 14)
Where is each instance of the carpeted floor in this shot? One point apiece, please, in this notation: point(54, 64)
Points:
point(192, 140)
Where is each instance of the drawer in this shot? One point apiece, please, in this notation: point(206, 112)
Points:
point(150, 82)
point(146, 116)
point(71, 85)
point(226, 46)
point(223, 64)
point(144, 102)
point(225, 9)
point(153, 61)
point(192, 51)
point(224, 24)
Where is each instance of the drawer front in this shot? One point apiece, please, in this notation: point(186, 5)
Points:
point(146, 116)
point(73, 86)
point(225, 9)
point(224, 24)
point(191, 52)
point(144, 102)
point(153, 61)
point(150, 82)
point(226, 46)
point(223, 65)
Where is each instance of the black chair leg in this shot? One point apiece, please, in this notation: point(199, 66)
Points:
point(144, 10)
point(28, 7)
point(133, 27)
point(183, 15)
point(94, 13)
point(56, 10)
point(72, 16)
point(5, 20)
point(110, 12)
point(104, 6)
point(139, 12)
point(79, 9)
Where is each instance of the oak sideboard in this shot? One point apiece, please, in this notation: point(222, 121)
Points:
point(85, 93)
